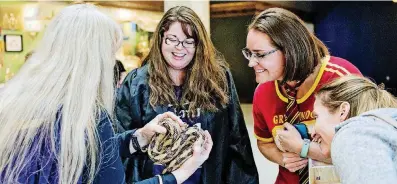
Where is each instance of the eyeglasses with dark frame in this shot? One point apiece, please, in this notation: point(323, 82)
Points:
point(248, 54)
point(174, 41)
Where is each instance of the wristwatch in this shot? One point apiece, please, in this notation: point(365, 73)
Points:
point(305, 148)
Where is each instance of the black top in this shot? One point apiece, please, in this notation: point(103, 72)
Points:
point(231, 159)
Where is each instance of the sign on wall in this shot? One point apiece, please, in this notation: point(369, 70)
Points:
point(13, 43)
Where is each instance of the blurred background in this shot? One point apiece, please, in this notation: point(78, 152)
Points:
point(362, 32)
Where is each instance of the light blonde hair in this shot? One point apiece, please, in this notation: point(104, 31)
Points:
point(361, 93)
point(71, 72)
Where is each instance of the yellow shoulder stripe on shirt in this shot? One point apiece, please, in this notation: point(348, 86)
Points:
point(265, 140)
point(324, 63)
point(279, 94)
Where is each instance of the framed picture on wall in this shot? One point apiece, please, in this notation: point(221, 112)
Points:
point(13, 43)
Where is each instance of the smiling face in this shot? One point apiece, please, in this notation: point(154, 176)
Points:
point(175, 54)
point(326, 122)
point(270, 67)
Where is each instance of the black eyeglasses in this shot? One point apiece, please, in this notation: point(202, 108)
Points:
point(187, 43)
point(258, 56)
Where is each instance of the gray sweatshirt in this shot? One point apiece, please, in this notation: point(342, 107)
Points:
point(364, 150)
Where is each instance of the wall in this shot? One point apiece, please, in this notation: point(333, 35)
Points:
point(229, 37)
point(12, 61)
point(201, 8)
point(365, 34)
point(135, 41)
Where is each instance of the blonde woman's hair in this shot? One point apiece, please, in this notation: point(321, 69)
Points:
point(361, 93)
point(71, 72)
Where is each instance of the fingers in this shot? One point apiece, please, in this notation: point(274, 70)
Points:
point(296, 164)
point(292, 160)
point(159, 129)
point(314, 137)
point(288, 126)
point(173, 117)
point(208, 143)
point(313, 134)
point(320, 140)
point(299, 167)
point(281, 134)
point(197, 147)
point(292, 167)
point(317, 138)
point(203, 145)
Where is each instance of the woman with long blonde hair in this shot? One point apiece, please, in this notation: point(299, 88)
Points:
point(55, 114)
point(356, 126)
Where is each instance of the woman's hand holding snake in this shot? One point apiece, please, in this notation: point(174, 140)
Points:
point(146, 133)
point(183, 157)
point(201, 152)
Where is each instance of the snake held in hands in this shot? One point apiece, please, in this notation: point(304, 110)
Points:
point(173, 148)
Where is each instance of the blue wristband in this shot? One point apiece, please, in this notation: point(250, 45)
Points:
point(305, 148)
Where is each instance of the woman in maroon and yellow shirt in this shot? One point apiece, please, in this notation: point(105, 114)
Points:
point(287, 56)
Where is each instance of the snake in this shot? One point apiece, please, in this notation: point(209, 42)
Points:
point(173, 148)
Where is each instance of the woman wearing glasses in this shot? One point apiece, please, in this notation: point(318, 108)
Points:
point(60, 130)
point(290, 64)
point(183, 73)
